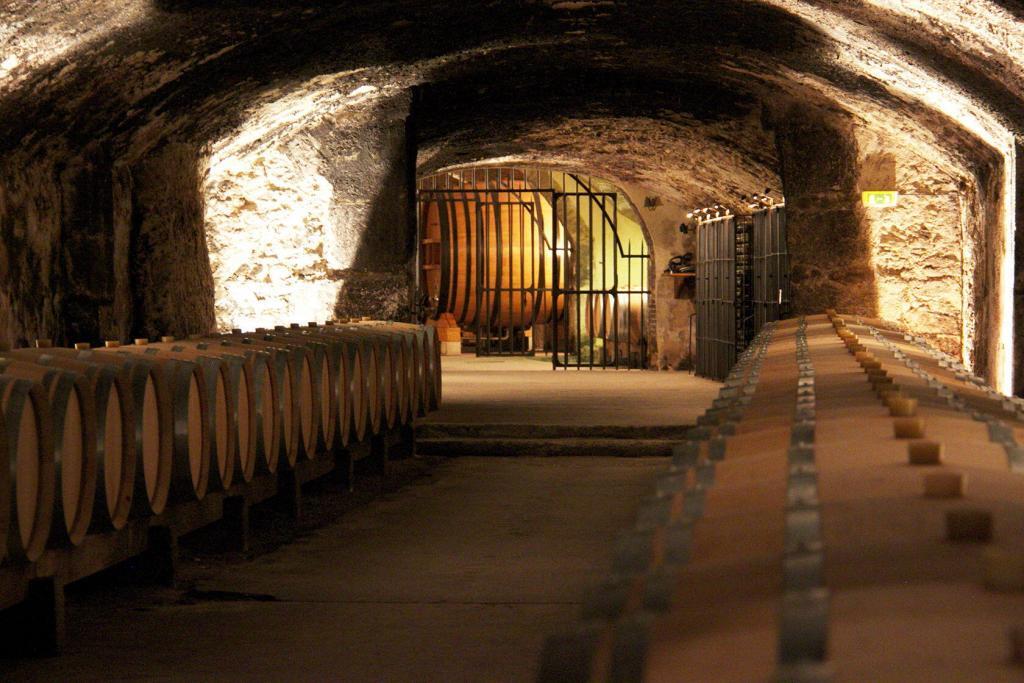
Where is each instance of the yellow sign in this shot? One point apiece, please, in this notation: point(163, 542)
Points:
point(881, 199)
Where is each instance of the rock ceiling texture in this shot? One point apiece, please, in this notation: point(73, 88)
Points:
point(694, 101)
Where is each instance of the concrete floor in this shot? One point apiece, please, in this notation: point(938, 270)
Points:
point(456, 577)
point(527, 391)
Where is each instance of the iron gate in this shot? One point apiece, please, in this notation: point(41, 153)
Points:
point(716, 297)
point(771, 289)
point(533, 260)
point(742, 270)
point(603, 289)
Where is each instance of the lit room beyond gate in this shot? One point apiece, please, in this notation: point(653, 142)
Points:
point(528, 261)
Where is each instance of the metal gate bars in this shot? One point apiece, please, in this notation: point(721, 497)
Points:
point(716, 297)
point(534, 260)
point(743, 282)
point(771, 291)
point(603, 289)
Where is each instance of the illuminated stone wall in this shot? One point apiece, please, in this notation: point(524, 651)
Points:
point(268, 227)
point(311, 223)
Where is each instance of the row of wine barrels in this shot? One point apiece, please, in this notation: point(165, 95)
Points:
point(95, 437)
point(186, 408)
point(150, 437)
point(244, 399)
point(72, 421)
point(114, 448)
point(427, 376)
point(430, 373)
point(514, 257)
point(343, 380)
point(296, 393)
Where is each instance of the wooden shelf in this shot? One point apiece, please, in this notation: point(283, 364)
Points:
point(431, 240)
point(430, 266)
point(681, 274)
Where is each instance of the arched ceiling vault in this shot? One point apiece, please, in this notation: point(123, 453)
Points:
point(100, 70)
point(682, 97)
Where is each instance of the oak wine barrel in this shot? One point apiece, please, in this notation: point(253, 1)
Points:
point(421, 373)
point(364, 381)
point(269, 369)
point(304, 392)
point(73, 420)
point(615, 318)
point(115, 448)
point(152, 429)
point(343, 395)
point(241, 407)
point(189, 409)
point(415, 340)
point(289, 365)
point(323, 379)
point(27, 475)
point(383, 401)
point(222, 399)
point(404, 370)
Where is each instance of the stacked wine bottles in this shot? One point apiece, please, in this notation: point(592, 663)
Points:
point(94, 437)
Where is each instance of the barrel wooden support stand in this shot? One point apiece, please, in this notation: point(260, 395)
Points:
point(404, 445)
point(236, 532)
point(386, 448)
point(32, 595)
point(35, 627)
point(344, 473)
point(159, 563)
point(289, 494)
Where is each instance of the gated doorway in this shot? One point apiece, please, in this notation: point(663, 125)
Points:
point(532, 261)
point(743, 282)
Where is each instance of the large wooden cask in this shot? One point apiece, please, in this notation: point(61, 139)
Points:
point(491, 239)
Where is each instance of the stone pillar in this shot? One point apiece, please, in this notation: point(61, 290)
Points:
point(170, 266)
point(372, 169)
point(828, 241)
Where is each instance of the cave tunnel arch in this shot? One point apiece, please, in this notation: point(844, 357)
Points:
point(101, 127)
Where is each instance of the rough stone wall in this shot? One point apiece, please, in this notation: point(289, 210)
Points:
point(671, 316)
point(986, 240)
point(372, 166)
point(170, 266)
point(30, 259)
point(314, 223)
point(828, 241)
point(63, 254)
point(268, 230)
point(917, 247)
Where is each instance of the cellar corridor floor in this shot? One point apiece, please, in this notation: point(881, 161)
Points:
point(526, 391)
point(457, 576)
